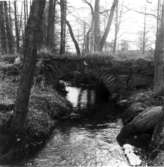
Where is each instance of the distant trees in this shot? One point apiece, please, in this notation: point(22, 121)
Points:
point(13, 20)
point(124, 45)
point(143, 41)
point(96, 40)
point(9, 32)
point(11, 27)
point(6, 33)
point(91, 35)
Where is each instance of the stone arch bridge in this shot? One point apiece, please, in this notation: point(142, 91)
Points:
point(116, 76)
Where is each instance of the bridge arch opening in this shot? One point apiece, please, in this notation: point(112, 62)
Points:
point(90, 96)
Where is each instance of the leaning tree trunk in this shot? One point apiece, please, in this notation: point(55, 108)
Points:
point(73, 38)
point(109, 23)
point(63, 8)
point(31, 44)
point(159, 58)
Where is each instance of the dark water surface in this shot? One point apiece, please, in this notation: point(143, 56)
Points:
point(81, 145)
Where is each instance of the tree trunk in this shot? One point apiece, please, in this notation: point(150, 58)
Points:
point(51, 23)
point(116, 30)
point(63, 8)
point(3, 35)
point(158, 14)
point(144, 34)
point(89, 46)
point(87, 42)
point(25, 12)
point(10, 39)
point(31, 44)
point(17, 34)
point(96, 26)
point(159, 58)
point(110, 18)
point(73, 38)
point(84, 38)
point(94, 31)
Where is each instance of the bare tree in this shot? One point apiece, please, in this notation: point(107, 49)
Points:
point(116, 29)
point(144, 32)
point(118, 19)
point(96, 26)
point(94, 39)
point(93, 35)
point(88, 45)
point(158, 15)
point(109, 22)
point(25, 12)
point(73, 38)
point(63, 11)
point(31, 44)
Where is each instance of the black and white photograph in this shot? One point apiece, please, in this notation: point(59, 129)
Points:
point(81, 83)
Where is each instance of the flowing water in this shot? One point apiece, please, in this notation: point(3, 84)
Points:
point(82, 143)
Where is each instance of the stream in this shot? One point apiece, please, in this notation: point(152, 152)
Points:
point(85, 143)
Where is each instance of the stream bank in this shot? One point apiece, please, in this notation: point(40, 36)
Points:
point(46, 108)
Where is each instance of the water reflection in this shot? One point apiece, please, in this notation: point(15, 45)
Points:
point(79, 97)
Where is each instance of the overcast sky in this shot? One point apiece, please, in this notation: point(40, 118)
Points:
point(132, 22)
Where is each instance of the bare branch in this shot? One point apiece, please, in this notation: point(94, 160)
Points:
point(90, 5)
point(141, 12)
point(104, 11)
